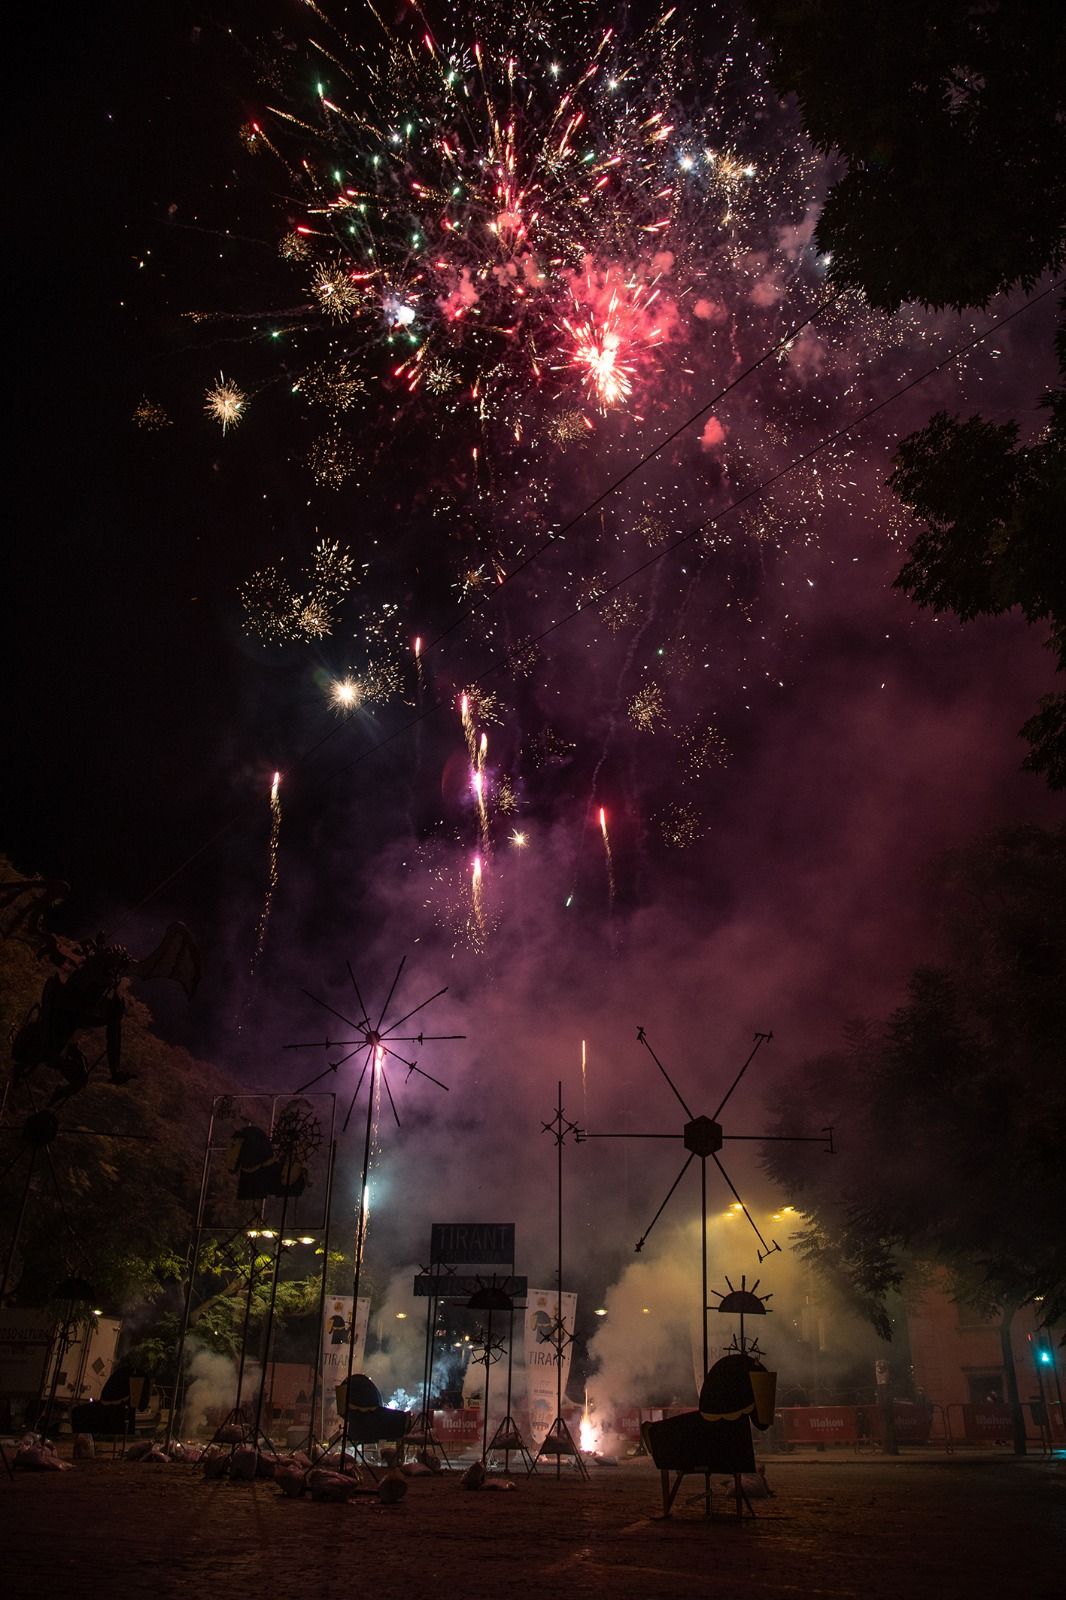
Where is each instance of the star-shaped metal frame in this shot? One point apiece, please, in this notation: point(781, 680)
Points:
point(703, 1137)
point(373, 1039)
point(373, 1036)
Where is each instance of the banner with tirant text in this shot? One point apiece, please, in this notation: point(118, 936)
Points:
point(545, 1310)
point(336, 1335)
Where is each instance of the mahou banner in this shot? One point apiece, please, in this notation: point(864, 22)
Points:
point(544, 1309)
point(336, 1336)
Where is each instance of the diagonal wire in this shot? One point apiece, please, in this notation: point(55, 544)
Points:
point(505, 661)
point(331, 1067)
point(327, 1007)
point(420, 1038)
point(392, 991)
point(760, 1040)
point(394, 1025)
point(388, 1091)
point(664, 550)
point(643, 1039)
point(358, 996)
point(359, 1085)
point(412, 1066)
point(644, 1236)
point(740, 1202)
point(656, 449)
point(348, 1057)
point(321, 1044)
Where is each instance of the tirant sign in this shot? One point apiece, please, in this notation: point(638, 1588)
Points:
point(473, 1244)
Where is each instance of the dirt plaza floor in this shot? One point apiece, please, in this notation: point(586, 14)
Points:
point(960, 1527)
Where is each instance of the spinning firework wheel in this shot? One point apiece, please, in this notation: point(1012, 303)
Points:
point(373, 1044)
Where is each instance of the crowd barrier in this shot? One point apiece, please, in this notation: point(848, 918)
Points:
point(990, 1423)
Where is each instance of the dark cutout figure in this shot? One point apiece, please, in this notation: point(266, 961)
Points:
point(717, 1437)
point(86, 994)
point(262, 1170)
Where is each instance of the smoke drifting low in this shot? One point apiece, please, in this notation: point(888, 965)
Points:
point(803, 907)
point(212, 1387)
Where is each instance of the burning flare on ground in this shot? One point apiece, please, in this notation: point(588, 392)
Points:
point(587, 1433)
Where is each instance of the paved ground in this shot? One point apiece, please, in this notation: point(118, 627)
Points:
point(959, 1529)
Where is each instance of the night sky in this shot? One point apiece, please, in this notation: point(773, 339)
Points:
point(144, 723)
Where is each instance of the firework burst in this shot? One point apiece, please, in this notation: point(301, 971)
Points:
point(646, 709)
point(506, 266)
point(149, 417)
point(224, 403)
point(274, 611)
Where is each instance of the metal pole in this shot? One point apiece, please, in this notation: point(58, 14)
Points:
point(1045, 1426)
point(17, 1231)
point(1058, 1385)
point(431, 1338)
point(510, 1359)
point(703, 1196)
point(485, 1394)
point(179, 1386)
point(252, 1258)
point(359, 1247)
point(62, 1344)
point(703, 1314)
point(559, 1288)
point(270, 1320)
point(1010, 1373)
point(322, 1298)
point(427, 1358)
point(88, 1327)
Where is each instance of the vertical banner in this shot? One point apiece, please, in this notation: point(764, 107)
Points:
point(25, 1345)
point(543, 1308)
point(336, 1337)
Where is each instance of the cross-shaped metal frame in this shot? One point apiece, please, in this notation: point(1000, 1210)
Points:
point(562, 1441)
point(703, 1137)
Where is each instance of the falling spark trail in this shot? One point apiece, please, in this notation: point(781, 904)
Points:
point(479, 790)
point(420, 676)
point(468, 728)
point(375, 1095)
point(477, 904)
point(609, 858)
point(584, 1083)
point(272, 872)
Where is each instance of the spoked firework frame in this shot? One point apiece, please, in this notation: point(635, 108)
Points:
point(300, 1132)
point(704, 1136)
point(507, 1436)
point(559, 1441)
point(374, 1043)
